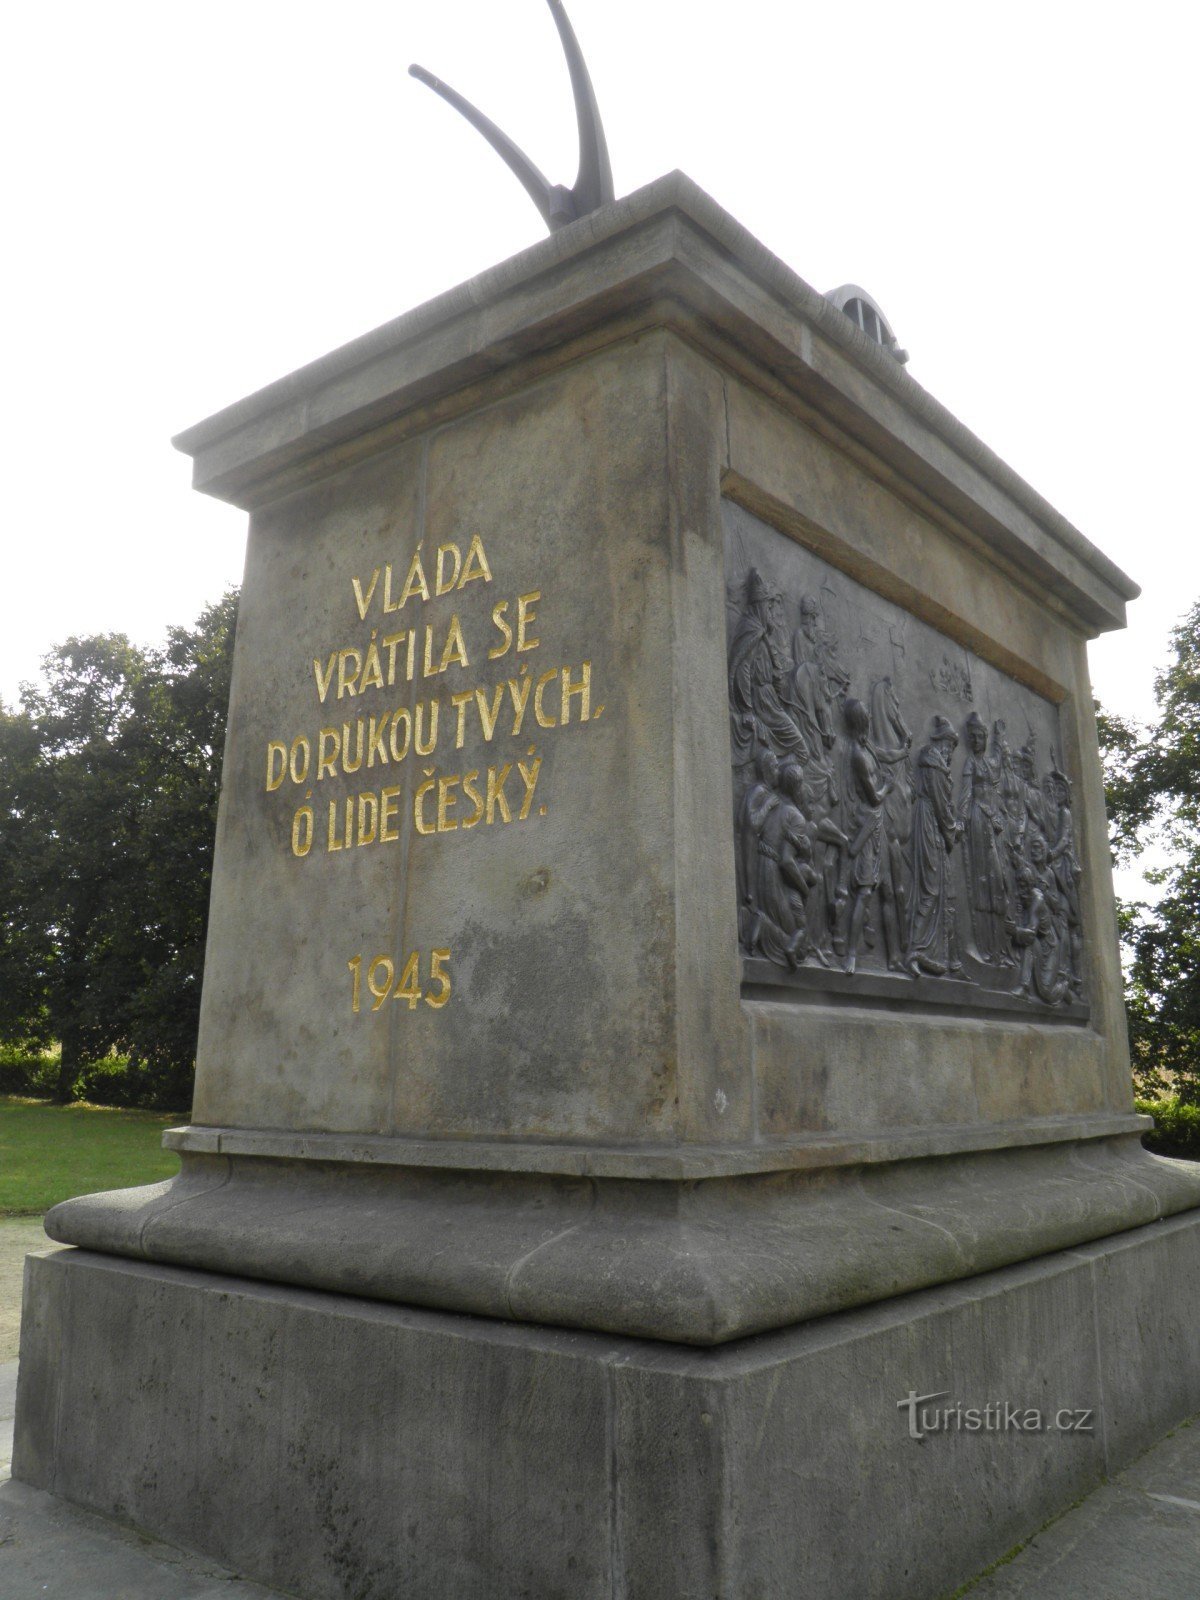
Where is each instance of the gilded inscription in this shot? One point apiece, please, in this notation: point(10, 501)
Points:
point(383, 984)
point(445, 796)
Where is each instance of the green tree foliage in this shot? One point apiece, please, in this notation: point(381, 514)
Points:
point(109, 777)
point(1153, 794)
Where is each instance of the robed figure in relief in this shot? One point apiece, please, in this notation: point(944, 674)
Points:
point(759, 664)
point(933, 939)
point(981, 812)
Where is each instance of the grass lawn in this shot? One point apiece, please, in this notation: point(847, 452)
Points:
point(49, 1153)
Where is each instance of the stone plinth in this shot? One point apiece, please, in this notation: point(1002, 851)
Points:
point(335, 1447)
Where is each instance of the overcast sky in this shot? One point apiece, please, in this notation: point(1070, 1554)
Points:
point(202, 198)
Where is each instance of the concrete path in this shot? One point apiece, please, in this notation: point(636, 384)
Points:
point(1136, 1538)
point(19, 1237)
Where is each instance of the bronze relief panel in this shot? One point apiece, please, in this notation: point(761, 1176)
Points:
point(902, 815)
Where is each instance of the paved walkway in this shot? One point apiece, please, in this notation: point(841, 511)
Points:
point(1136, 1538)
point(19, 1237)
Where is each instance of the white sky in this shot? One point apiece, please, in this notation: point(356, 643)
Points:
point(202, 198)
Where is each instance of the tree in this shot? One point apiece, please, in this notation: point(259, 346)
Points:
point(177, 744)
point(1153, 795)
point(109, 776)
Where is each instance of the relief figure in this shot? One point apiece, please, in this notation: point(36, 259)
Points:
point(759, 666)
point(1036, 936)
point(981, 813)
point(1065, 865)
point(785, 876)
point(892, 742)
point(815, 685)
point(933, 939)
point(759, 800)
point(867, 788)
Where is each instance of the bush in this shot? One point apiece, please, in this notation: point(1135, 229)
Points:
point(1176, 1128)
point(132, 1085)
point(27, 1071)
point(112, 1081)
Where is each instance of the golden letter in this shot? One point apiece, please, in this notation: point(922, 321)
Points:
point(346, 683)
point(472, 794)
point(389, 644)
point(520, 700)
point(446, 803)
point(488, 714)
point(419, 804)
point(327, 758)
point(415, 582)
point(372, 677)
point(501, 626)
point(529, 776)
point(539, 710)
point(347, 765)
point(323, 687)
point(430, 745)
point(274, 748)
point(455, 653)
point(399, 754)
point(363, 603)
point(495, 793)
point(525, 616)
point(481, 569)
point(583, 688)
point(300, 746)
point(444, 584)
point(460, 702)
point(388, 808)
point(376, 733)
point(332, 842)
point(368, 811)
point(302, 831)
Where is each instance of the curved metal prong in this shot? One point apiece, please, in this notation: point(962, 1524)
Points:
point(539, 190)
point(594, 184)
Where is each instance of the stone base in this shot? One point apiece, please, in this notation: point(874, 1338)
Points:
point(698, 1260)
point(340, 1447)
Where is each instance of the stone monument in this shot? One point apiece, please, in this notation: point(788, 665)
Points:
point(662, 1019)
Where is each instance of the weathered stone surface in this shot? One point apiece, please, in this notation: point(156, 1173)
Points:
point(336, 1447)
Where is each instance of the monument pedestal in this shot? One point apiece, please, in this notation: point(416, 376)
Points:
point(662, 892)
point(333, 1446)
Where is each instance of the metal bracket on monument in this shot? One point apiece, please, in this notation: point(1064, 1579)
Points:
point(594, 185)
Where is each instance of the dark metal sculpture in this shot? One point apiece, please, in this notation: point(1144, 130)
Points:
point(862, 847)
point(594, 185)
